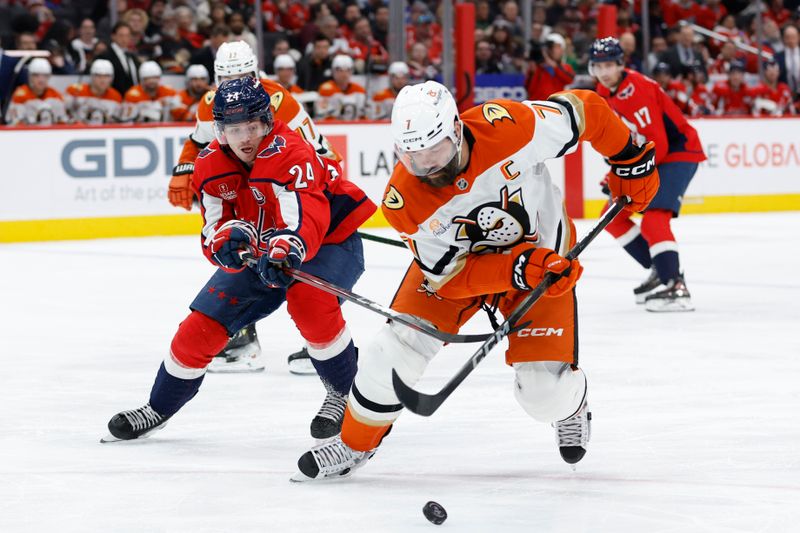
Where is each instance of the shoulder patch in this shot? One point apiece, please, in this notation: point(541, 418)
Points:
point(274, 148)
point(627, 92)
point(205, 152)
point(209, 97)
point(393, 199)
point(276, 100)
point(494, 112)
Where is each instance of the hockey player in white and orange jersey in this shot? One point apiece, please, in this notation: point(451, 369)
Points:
point(197, 79)
point(382, 101)
point(473, 200)
point(150, 101)
point(96, 102)
point(237, 60)
point(341, 98)
point(36, 103)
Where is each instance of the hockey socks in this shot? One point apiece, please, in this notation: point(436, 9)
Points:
point(663, 248)
point(628, 235)
point(170, 393)
point(337, 371)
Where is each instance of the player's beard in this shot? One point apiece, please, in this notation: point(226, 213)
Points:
point(446, 176)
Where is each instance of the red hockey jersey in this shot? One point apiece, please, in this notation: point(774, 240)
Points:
point(289, 187)
point(653, 116)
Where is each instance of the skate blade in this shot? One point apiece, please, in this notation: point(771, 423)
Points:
point(111, 438)
point(683, 305)
point(240, 366)
point(302, 367)
point(239, 370)
point(300, 477)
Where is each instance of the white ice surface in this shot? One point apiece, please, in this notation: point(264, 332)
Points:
point(696, 424)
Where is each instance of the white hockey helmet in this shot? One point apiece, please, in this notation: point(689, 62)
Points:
point(234, 59)
point(102, 67)
point(197, 71)
point(398, 68)
point(283, 61)
point(343, 62)
point(39, 65)
point(149, 69)
point(426, 128)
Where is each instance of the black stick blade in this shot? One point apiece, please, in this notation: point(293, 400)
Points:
point(415, 401)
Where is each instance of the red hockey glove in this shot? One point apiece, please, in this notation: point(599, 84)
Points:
point(532, 264)
point(634, 174)
point(285, 250)
point(180, 192)
point(230, 239)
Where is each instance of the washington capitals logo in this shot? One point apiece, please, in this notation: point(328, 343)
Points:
point(626, 93)
point(274, 147)
point(497, 225)
point(205, 152)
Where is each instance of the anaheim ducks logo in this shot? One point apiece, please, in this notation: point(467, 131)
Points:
point(209, 97)
point(276, 100)
point(497, 225)
point(493, 112)
point(393, 199)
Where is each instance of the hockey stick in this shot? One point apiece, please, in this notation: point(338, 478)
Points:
point(427, 404)
point(407, 320)
point(384, 240)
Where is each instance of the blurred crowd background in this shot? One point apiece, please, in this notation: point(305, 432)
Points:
point(333, 54)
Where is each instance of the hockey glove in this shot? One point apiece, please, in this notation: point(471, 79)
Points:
point(284, 250)
point(634, 174)
point(532, 264)
point(230, 239)
point(180, 192)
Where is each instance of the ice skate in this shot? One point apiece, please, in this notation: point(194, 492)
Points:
point(300, 363)
point(648, 286)
point(328, 422)
point(674, 298)
point(331, 460)
point(573, 434)
point(134, 424)
point(242, 354)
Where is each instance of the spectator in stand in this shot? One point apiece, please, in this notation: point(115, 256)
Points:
point(426, 31)
point(630, 60)
point(83, 45)
point(419, 64)
point(732, 96)
point(205, 56)
point(483, 15)
point(722, 63)
point(284, 16)
point(36, 103)
point(315, 68)
point(380, 25)
point(310, 29)
point(727, 27)
point(126, 66)
point(508, 52)
point(187, 28)
point(197, 85)
point(95, 102)
point(776, 12)
point(341, 98)
point(285, 73)
point(155, 16)
point(549, 74)
point(137, 21)
point(699, 96)
point(240, 31)
point(352, 13)
point(658, 46)
point(150, 101)
point(280, 46)
point(772, 98)
point(510, 13)
point(771, 35)
point(710, 13)
point(383, 101)
point(368, 53)
point(26, 41)
point(789, 59)
point(683, 54)
point(680, 10)
point(484, 58)
point(674, 88)
point(329, 27)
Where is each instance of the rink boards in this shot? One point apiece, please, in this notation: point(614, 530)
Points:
point(82, 182)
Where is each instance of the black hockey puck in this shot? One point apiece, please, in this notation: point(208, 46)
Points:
point(435, 513)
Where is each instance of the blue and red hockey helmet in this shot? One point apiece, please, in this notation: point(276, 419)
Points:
point(238, 101)
point(606, 49)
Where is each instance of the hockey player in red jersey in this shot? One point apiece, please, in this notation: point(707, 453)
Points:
point(772, 98)
point(263, 190)
point(473, 200)
point(732, 96)
point(652, 116)
point(674, 88)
